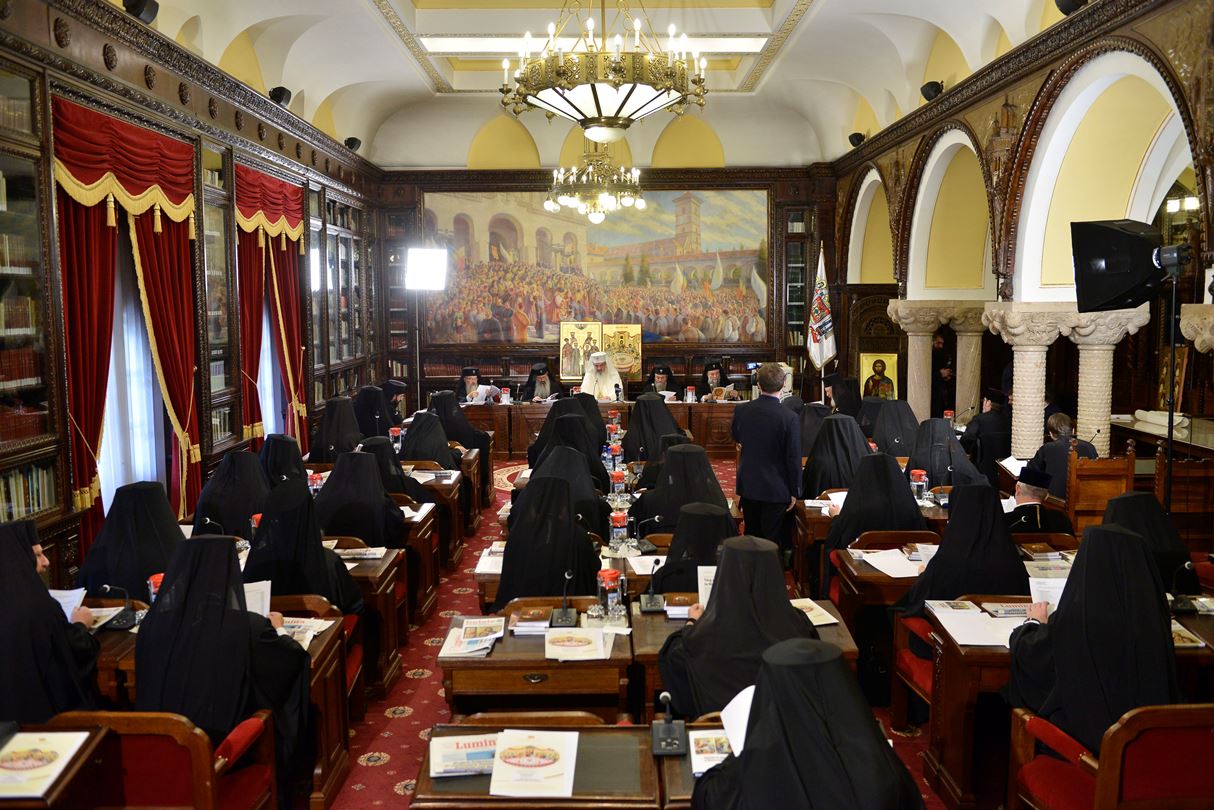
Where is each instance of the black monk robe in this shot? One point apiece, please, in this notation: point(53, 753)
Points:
point(137, 540)
point(235, 492)
point(697, 541)
point(687, 477)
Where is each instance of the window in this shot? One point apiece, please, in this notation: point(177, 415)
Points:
point(269, 378)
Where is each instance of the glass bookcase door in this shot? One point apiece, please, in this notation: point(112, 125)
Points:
point(331, 286)
point(316, 285)
point(218, 291)
point(24, 412)
point(344, 296)
point(357, 299)
point(16, 103)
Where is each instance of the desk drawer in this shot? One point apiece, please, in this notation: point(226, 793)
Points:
point(540, 680)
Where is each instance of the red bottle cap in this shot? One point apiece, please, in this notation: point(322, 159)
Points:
point(619, 519)
point(609, 576)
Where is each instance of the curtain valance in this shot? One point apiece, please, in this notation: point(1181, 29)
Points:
point(269, 204)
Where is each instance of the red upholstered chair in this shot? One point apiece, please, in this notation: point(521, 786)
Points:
point(314, 606)
point(164, 760)
point(911, 673)
point(1205, 571)
point(1153, 757)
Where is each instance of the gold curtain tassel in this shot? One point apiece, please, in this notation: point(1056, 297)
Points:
point(111, 218)
point(284, 240)
point(157, 225)
point(261, 237)
point(301, 245)
point(193, 228)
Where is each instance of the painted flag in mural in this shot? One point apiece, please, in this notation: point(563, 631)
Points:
point(820, 336)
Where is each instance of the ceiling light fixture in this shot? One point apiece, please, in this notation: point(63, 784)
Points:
point(596, 188)
point(604, 85)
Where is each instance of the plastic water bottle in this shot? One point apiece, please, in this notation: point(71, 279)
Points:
point(607, 456)
point(918, 482)
point(619, 530)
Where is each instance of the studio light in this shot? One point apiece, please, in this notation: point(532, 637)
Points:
point(280, 96)
point(856, 138)
point(426, 269)
point(931, 90)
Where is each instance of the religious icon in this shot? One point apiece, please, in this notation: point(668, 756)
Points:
point(579, 340)
point(622, 342)
point(882, 375)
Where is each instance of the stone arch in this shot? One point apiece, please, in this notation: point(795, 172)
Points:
point(543, 247)
point(869, 192)
point(507, 241)
point(463, 237)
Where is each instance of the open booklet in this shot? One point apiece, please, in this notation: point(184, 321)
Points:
point(30, 762)
point(535, 764)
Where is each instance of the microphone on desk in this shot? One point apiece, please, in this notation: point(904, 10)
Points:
point(564, 616)
point(125, 618)
point(653, 602)
point(1182, 602)
point(618, 393)
point(957, 416)
point(1094, 435)
point(656, 519)
point(669, 735)
point(206, 521)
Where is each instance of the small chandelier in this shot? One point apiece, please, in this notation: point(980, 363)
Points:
point(605, 86)
point(596, 188)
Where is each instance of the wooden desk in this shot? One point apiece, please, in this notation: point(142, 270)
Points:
point(861, 585)
point(650, 631)
point(960, 674)
point(516, 675)
point(376, 581)
point(494, 419)
point(116, 645)
point(80, 781)
point(423, 570)
point(615, 771)
point(446, 493)
point(678, 782)
point(327, 693)
point(711, 423)
point(470, 466)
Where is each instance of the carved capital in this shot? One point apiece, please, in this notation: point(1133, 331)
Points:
point(1025, 324)
point(966, 319)
point(918, 317)
point(1105, 328)
point(1197, 324)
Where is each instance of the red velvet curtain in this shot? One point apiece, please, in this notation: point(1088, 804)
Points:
point(286, 313)
point(276, 200)
point(251, 279)
point(87, 253)
point(166, 285)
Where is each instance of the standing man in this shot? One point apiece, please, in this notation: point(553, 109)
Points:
point(942, 377)
point(769, 470)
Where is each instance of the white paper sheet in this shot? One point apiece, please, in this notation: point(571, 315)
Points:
point(257, 597)
point(978, 629)
point(1013, 465)
point(837, 499)
point(1009, 504)
point(892, 562)
point(68, 600)
point(735, 717)
point(644, 565)
point(705, 574)
point(186, 530)
point(489, 564)
point(1043, 589)
point(26, 775)
point(534, 764)
point(817, 614)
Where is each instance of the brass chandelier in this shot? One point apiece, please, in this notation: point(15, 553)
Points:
point(596, 188)
point(604, 86)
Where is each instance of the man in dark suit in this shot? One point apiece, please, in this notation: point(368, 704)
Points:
point(1054, 456)
point(1030, 515)
point(769, 470)
point(988, 436)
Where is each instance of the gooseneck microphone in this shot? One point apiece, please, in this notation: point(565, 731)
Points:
point(125, 618)
point(669, 735)
point(656, 519)
point(564, 616)
point(206, 521)
point(1182, 602)
point(652, 602)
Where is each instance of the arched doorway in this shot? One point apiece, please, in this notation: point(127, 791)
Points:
point(543, 247)
point(505, 240)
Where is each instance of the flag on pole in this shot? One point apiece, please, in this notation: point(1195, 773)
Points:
point(820, 336)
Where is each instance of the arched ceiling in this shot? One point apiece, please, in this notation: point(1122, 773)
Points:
point(785, 80)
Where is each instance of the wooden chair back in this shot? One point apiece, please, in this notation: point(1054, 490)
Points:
point(1059, 541)
point(824, 495)
point(711, 718)
point(1192, 498)
point(532, 719)
point(401, 499)
point(304, 605)
point(893, 539)
point(424, 464)
point(661, 539)
point(942, 490)
point(1091, 482)
point(346, 541)
point(521, 603)
point(167, 761)
point(319, 466)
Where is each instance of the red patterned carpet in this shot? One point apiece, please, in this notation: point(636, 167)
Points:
point(386, 748)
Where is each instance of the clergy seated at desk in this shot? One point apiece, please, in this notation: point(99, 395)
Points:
point(287, 551)
point(1054, 456)
point(541, 384)
point(716, 653)
point(697, 541)
point(662, 378)
point(234, 493)
point(1105, 650)
point(712, 378)
point(338, 431)
point(1141, 513)
point(137, 540)
point(811, 742)
point(601, 380)
point(471, 389)
point(843, 393)
point(281, 460)
point(461, 431)
point(652, 471)
point(995, 420)
point(391, 475)
point(202, 654)
point(976, 555)
point(425, 440)
point(48, 662)
point(546, 541)
point(833, 458)
point(649, 421)
point(394, 392)
point(571, 466)
point(687, 477)
point(896, 428)
point(371, 411)
point(573, 431)
point(938, 452)
point(1031, 515)
point(353, 503)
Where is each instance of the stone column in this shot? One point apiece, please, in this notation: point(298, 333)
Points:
point(1097, 335)
point(920, 320)
point(1197, 324)
point(1029, 329)
point(966, 321)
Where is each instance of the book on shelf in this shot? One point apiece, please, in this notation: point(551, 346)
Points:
point(26, 491)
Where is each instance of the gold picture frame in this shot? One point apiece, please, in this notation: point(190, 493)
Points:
point(869, 386)
point(622, 342)
point(579, 339)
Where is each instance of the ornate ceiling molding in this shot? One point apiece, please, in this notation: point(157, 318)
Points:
point(437, 82)
point(773, 48)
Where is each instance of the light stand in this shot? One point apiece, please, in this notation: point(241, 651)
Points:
point(1170, 259)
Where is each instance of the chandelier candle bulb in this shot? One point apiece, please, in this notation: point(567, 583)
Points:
point(636, 35)
point(505, 71)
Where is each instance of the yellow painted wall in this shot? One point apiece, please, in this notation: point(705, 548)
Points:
point(957, 239)
point(323, 119)
point(877, 260)
point(1050, 14)
point(945, 63)
point(688, 141)
point(1101, 165)
point(865, 120)
point(1188, 179)
point(1003, 45)
point(503, 143)
point(240, 61)
point(575, 146)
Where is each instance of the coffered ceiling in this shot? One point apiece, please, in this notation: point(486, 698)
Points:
point(416, 80)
